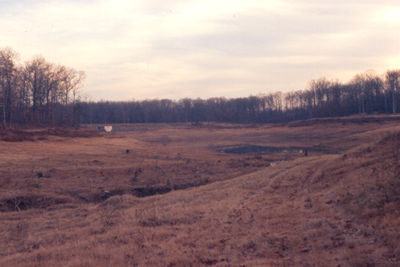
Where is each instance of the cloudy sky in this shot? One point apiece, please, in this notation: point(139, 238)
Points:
point(142, 49)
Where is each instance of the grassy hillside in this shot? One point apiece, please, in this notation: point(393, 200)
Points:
point(338, 206)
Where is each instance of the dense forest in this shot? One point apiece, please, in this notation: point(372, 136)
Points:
point(365, 93)
point(39, 93)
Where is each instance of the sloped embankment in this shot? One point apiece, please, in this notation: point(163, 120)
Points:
point(320, 211)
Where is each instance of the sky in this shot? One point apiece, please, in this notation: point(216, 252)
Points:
point(148, 49)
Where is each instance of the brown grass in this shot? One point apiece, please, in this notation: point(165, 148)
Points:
point(17, 135)
point(338, 206)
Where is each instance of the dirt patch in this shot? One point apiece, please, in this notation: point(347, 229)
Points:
point(107, 194)
point(245, 149)
point(68, 132)
point(150, 191)
point(140, 192)
point(20, 203)
point(158, 190)
point(15, 135)
point(345, 120)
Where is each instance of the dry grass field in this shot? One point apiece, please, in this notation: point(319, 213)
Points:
point(204, 194)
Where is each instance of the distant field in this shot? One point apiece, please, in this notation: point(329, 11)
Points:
point(203, 194)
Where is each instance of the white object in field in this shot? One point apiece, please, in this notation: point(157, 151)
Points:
point(108, 128)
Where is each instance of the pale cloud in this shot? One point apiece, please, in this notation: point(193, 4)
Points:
point(388, 14)
point(191, 48)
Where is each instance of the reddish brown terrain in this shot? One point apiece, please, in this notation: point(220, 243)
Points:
point(204, 194)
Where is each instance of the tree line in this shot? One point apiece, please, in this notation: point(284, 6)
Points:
point(37, 92)
point(40, 93)
point(366, 93)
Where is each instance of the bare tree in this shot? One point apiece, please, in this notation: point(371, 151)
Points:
point(8, 73)
point(70, 82)
point(393, 85)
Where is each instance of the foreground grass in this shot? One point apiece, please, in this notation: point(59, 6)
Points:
point(325, 209)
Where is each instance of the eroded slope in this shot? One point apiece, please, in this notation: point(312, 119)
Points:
point(327, 211)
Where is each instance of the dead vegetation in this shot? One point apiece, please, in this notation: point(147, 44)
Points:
point(17, 135)
point(20, 203)
point(184, 203)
